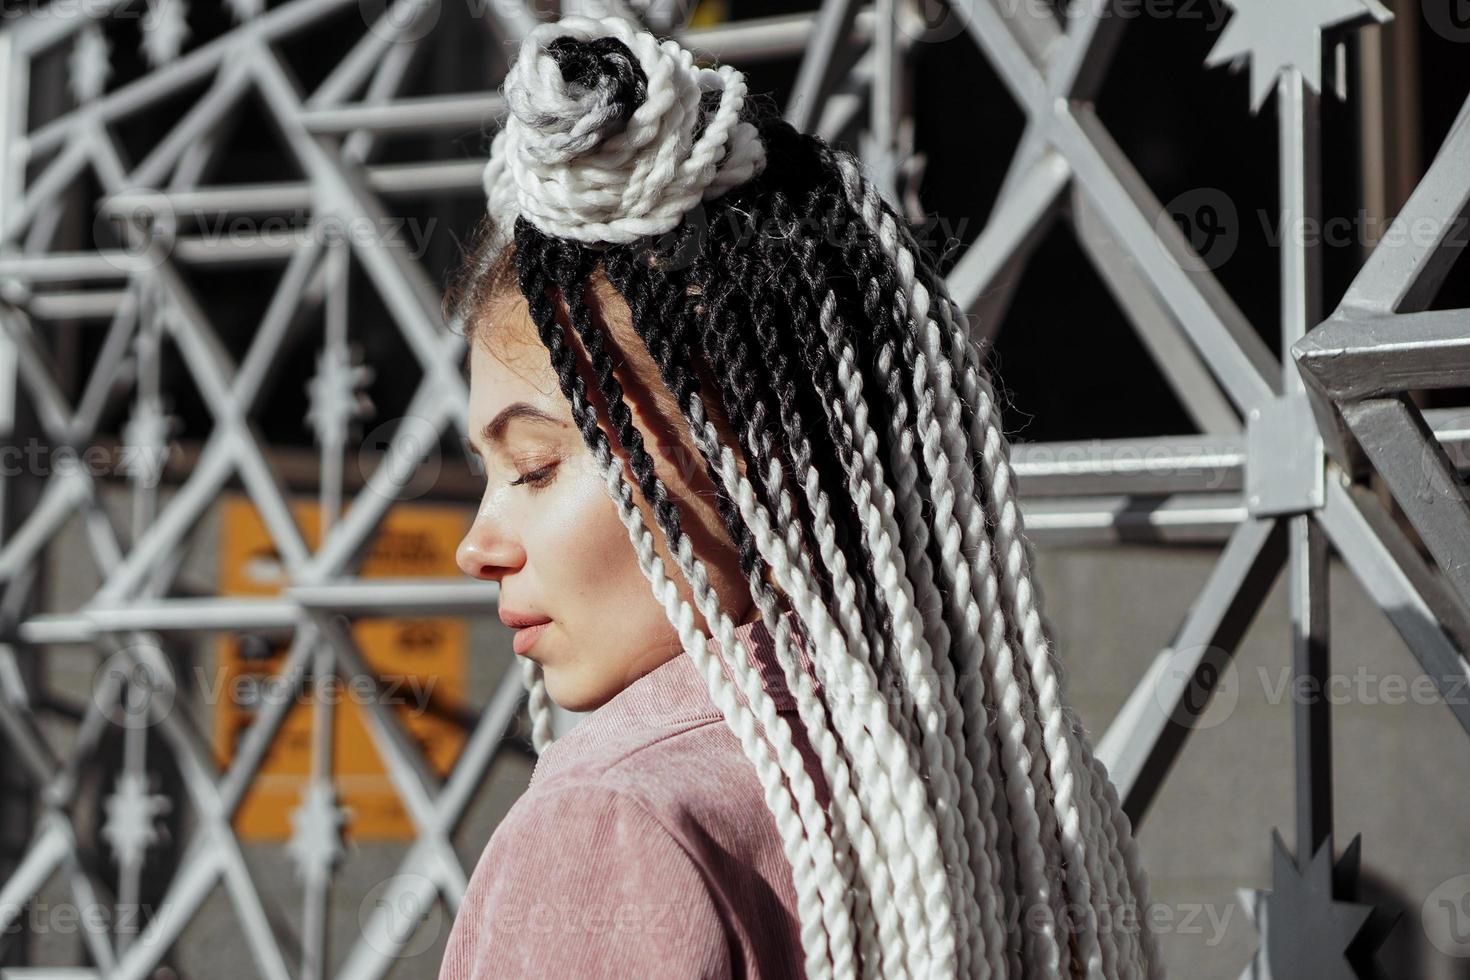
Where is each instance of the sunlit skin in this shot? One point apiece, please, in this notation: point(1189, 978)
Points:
point(546, 528)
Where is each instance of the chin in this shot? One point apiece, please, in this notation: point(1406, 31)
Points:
point(572, 696)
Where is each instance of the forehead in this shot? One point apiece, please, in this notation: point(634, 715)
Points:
point(509, 366)
point(502, 372)
point(507, 361)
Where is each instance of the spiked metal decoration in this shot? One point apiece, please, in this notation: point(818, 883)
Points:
point(316, 831)
point(132, 813)
point(1274, 37)
point(88, 66)
point(1293, 455)
point(1306, 930)
point(335, 392)
point(165, 28)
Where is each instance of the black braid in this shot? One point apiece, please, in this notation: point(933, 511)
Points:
point(536, 256)
point(663, 333)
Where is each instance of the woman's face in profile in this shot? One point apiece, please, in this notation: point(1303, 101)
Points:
point(547, 530)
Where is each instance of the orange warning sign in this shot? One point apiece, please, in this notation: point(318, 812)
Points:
point(419, 663)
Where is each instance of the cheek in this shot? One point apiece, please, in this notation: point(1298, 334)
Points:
point(584, 546)
point(613, 628)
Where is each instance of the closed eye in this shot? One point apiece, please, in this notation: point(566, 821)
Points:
point(536, 479)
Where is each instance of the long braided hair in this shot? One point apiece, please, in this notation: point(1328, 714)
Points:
point(969, 830)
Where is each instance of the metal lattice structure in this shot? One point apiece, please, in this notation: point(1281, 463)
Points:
point(1294, 437)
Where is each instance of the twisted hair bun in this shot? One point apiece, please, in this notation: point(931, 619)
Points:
point(613, 135)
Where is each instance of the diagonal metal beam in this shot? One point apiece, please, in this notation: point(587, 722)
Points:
point(1193, 296)
point(1424, 482)
point(1391, 576)
point(1406, 268)
point(1162, 336)
point(1150, 730)
point(820, 64)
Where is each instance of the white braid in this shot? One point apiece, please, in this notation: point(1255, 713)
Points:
point(974, 801)
point(1094, 833)
point(821, 921)
point(909, 645)
point(566, 159)
point(888, 948)
point(538, 704)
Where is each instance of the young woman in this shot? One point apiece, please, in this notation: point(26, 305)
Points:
point(748, 500)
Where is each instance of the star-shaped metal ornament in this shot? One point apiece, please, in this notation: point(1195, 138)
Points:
point(244, 10)
point(131, 824)
point(89, 65)
point(316, 830)
point(1305, 930)
point(165, 27)
point(1275, 35)
point(335, 392)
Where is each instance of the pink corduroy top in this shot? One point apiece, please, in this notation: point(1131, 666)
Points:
point(643, 846)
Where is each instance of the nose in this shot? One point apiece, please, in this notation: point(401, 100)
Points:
point(488, 552)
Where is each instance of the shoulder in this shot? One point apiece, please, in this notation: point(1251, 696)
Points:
point(577, 876)
point(582, 814)
point(656, 764)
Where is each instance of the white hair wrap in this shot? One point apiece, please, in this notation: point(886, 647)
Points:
point(581, 162)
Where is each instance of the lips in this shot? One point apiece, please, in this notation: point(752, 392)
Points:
point(515, 620)
point(526, 637)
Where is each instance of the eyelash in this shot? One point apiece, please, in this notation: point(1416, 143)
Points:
point(535, 480)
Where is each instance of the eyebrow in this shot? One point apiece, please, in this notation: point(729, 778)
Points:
point(494, 431)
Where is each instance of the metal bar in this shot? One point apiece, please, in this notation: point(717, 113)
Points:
point(92, 304)
point(398, 597)
point(819, 65)
point(417, 432)
point(416, 783)
point(1079, 62)
point(1311, 668)
point(1393, 584)
point(1167, 464)
point(351, 72)
point(1014, 46)
point(230, 85)
point(383, 936)
point(1137, 520)
point(1022, 216)
point(400, 281)
point(1034, 28)
point(198, 872)
point(1353, 356)
point(166, 81)
point(114, 365)
point(1149, 732)
point(68, 266)
point(406, 115)
point(59, 499)
point(1188, 377)
point(285, 197)
point(20, 727)
point(48, 184)
point(1405, 270)
point(1415, 467)
point(1197, 301)
point(758, 38)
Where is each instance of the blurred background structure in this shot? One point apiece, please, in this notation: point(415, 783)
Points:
point(254, 723)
